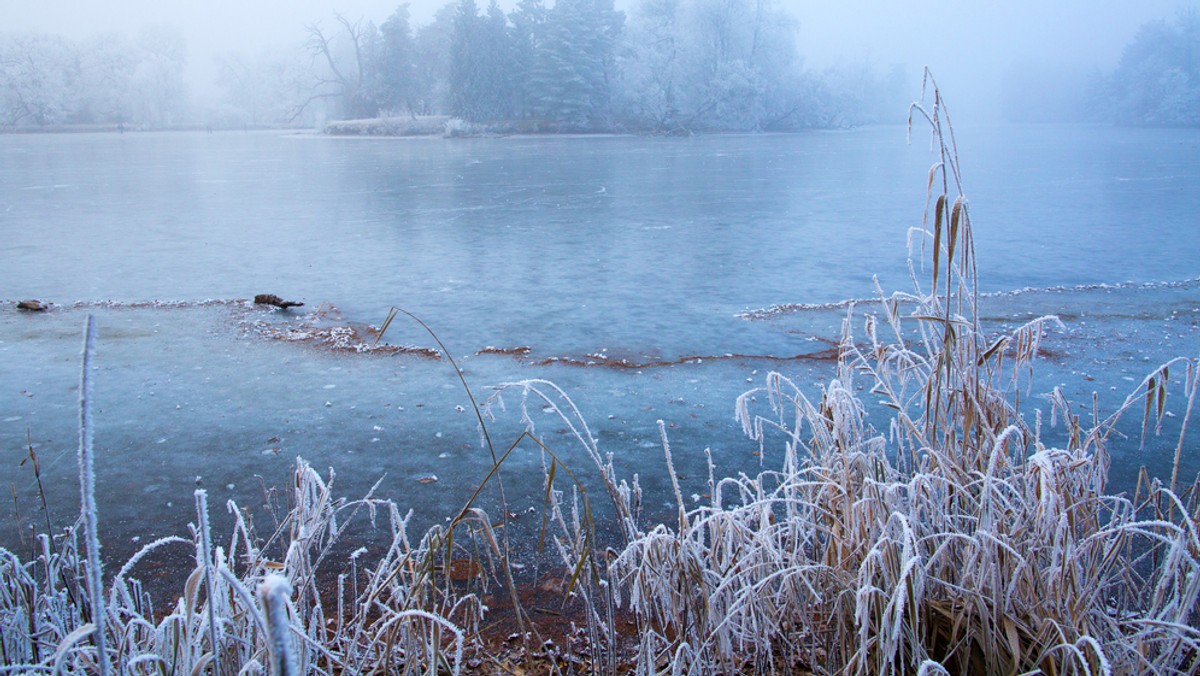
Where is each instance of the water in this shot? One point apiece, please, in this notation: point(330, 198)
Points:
point(632, 252)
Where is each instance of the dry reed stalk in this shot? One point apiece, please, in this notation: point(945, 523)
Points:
point(87, 497)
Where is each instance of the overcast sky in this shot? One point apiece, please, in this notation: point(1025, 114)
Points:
point(969, 44)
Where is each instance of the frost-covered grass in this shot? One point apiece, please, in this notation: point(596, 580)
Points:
point(951, 539)
point(240, 609)
point(425, 125)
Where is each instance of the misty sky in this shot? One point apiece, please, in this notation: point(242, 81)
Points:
point(969, 45)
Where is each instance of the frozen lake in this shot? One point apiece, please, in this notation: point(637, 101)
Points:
point(554, 252)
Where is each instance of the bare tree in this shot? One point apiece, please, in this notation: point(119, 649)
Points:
point(343, 69)
point(38, 76)
point(265, 88)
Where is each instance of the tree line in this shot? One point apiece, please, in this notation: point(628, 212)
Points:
point(700, 65)
point(670, 65)
point(49, 80)
point(557, 65)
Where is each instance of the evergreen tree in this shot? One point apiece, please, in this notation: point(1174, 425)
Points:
point(1158, 79)
point(481, 85)
point(497, 85)
point(464, 61)
point(399, 83)
point(527, 41)
point(576, 64)
point(434, 44)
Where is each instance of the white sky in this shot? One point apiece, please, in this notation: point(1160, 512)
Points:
point(968, 43)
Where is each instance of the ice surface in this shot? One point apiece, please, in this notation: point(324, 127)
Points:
point(630, 298)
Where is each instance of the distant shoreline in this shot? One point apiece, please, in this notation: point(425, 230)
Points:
point(135, 129)
point(445, 126)
point(432, 126)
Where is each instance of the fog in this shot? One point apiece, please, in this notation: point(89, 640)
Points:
point(971, 47)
